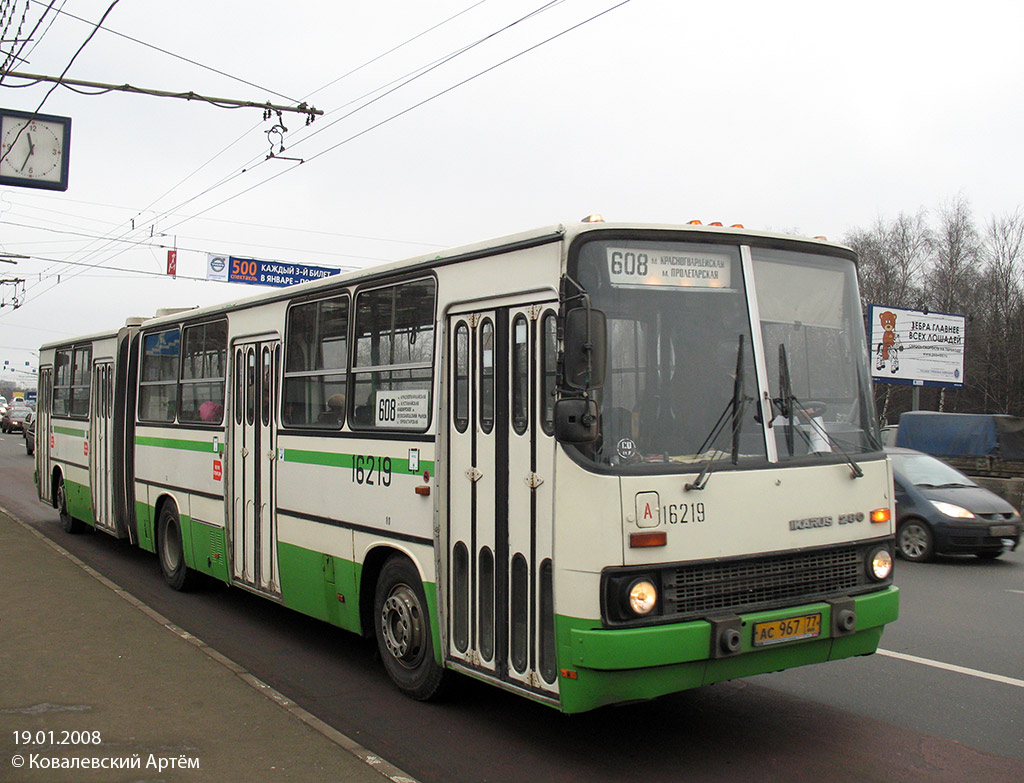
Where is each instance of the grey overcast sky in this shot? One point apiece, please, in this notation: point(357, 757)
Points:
point(805, 117)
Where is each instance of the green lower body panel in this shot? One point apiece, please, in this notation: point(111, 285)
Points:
point(606, 666)
point(79, 500)
point(145, 519)
point(328, 588)
point(209, 549)
point(319, 585)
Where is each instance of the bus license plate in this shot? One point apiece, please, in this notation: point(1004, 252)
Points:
point(806, 626)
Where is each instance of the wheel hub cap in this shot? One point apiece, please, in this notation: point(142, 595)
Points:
point(402, 623)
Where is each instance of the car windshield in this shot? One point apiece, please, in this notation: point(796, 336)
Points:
point(923, 470)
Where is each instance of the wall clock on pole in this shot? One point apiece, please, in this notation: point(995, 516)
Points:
point(34, 150)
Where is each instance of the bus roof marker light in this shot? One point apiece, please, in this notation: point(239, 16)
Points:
point(695, 223)
point(595, 218)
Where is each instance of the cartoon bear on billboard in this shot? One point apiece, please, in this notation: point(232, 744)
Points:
point(890, 345)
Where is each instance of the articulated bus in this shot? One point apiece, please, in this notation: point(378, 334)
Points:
point(590, 464)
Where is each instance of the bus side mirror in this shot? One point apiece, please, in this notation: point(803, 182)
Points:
point(585, 348)
point(576, 420)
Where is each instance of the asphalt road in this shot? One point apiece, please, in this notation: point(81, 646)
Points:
point(952, 711)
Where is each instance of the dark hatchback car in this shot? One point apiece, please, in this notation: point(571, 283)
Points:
point(939, 510)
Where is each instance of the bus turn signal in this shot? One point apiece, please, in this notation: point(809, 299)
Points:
point(647, 539)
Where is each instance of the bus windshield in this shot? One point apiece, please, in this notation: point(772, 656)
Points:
point(682, 381)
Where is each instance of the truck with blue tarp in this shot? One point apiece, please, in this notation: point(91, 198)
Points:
point(987, 447)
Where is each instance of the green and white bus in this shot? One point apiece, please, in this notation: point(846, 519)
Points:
point(590, 464)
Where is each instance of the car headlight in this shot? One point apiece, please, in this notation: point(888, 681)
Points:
point(643, 597)
point(957, 512)
point(880, 564)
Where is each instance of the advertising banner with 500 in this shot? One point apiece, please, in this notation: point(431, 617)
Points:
point(231, 269)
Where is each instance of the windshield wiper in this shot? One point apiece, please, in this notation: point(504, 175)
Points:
point(786, 390)
point(735, 406)
point(792, 408)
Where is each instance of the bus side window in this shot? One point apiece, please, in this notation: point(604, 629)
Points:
point(520, 375)
point(393, 360)
point(487, 376)
point(316, 364)
point(158, 380)
point(460, 381)
point(549, 370)
point(203, 373)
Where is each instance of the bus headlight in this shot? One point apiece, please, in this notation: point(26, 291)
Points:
point(643, 597)
point(880, 564)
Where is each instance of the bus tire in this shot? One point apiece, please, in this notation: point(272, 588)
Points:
point(171, 551)
point(60, 500)
point(402, 627)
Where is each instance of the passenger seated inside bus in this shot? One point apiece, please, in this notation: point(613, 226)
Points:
point(211, 411)
point(335, 410)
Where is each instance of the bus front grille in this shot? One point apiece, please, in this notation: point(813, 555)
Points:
point(747, 584)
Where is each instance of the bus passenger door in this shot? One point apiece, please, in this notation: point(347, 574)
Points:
point(42, 448)
point(252, 456)
point(101, 444)
point(501, 461)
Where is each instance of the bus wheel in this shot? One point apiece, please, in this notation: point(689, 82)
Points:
point(171, 552)
point(402, 627)
point(68, 522)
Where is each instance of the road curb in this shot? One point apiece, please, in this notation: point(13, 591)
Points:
point(346, 743)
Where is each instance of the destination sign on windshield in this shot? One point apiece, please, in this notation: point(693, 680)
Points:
point(631, 268)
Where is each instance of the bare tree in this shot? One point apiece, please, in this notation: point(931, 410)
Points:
point(954, 282)
point(956, 259)
point(999, 323)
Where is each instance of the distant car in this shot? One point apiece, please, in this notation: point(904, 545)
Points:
point(14, 419)
point(939, 510)
point(30, 434)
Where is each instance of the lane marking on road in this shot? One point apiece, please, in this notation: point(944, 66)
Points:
point(950, 667)
point(1019, 592)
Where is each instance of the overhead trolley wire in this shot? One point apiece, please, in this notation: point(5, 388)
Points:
point(373, 127)
point(405, 111)
point(409, 77)
point(9, 61)
point(334, 81)
point(395, 48)
point(173, 54)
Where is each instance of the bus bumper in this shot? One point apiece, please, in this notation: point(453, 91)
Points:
point(605, 666)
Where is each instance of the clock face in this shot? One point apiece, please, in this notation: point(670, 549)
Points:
point(31, 149)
